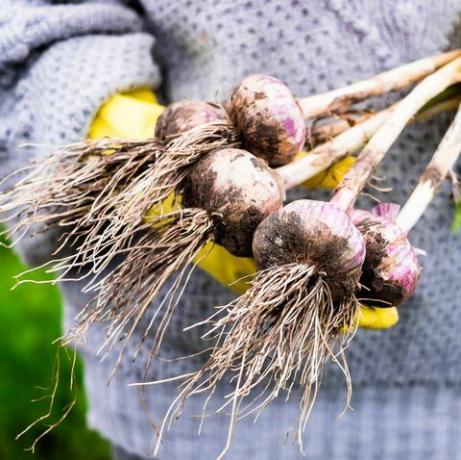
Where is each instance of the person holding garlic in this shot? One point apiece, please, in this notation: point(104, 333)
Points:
point(87, 69)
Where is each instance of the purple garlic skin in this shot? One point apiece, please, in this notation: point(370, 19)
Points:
point(180, 117)
point(315, 233)
point(391, 269)
point(269, 118)
point(238, 190)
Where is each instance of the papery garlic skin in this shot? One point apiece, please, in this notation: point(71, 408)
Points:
point(269, 119)
point(314, 233)
point(391, 269)
point(238, 191)
point(180, 117)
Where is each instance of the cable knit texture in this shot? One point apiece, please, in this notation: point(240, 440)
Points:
point(60, 60)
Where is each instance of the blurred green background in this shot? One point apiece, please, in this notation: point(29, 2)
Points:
point(30, 319)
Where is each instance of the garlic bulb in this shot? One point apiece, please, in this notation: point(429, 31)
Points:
point(391, 270)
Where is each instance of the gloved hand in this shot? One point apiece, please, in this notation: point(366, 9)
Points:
point(133, 115)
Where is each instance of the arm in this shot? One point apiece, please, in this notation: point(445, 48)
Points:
point(58, 64)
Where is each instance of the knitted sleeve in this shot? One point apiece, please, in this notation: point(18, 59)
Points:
point(58, 64)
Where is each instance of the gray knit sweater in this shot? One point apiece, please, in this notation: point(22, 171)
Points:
point(59, 60)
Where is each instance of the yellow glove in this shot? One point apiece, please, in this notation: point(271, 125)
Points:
point(132, 116)
point(332, 176)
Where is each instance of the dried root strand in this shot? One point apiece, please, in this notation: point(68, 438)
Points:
point(100, 192)
point(46, 420)
point(278, 334)
point(69, 188)
point(124, 295)
point(115, 225)
point(167, 175)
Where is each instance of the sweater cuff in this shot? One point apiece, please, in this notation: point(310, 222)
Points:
point(27, 27)
point(70, 82)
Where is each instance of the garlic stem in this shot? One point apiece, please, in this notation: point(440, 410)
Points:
point(319, 133)
point(334, 127)
point(308, 164)
point(339, 99)
point(436, 171)
point(320, 158)
point(356, 178)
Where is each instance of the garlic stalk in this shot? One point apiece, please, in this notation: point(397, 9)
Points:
point(374, 152)
point(339, 99)
point(435, 173)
